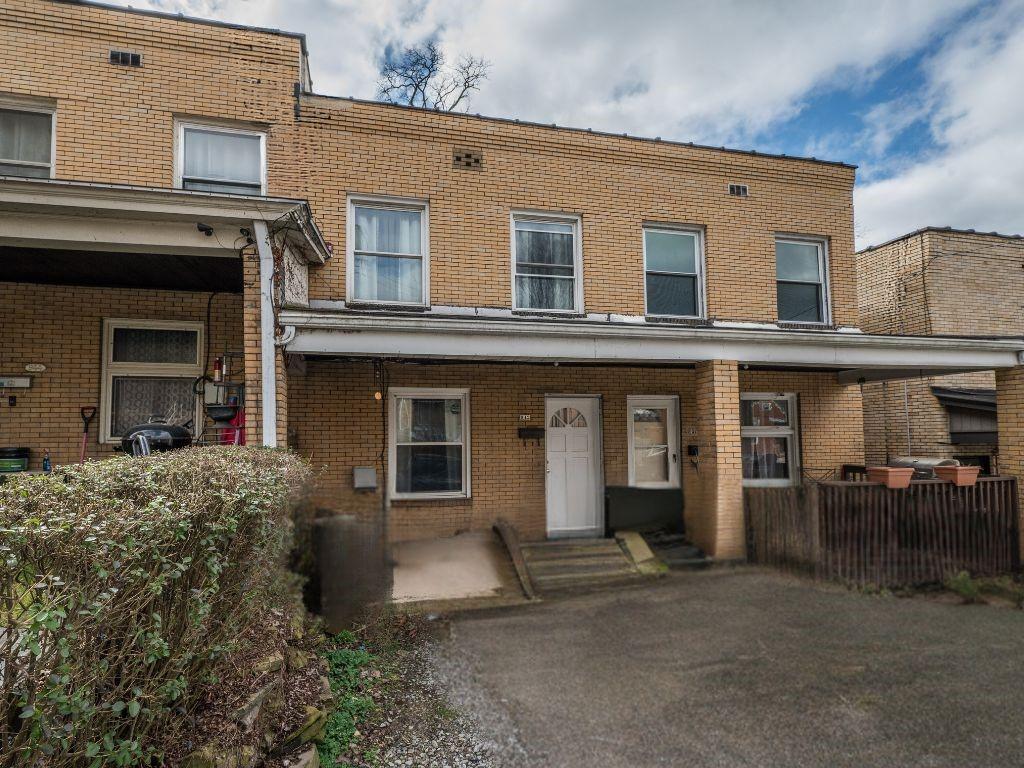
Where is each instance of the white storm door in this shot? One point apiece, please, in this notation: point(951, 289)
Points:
point(573, 444)
point(653, 441)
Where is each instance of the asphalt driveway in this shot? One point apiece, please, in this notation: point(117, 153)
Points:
point(743, 668)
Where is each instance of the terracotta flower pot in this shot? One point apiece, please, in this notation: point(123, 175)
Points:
point(958, 475)
point(891, 477)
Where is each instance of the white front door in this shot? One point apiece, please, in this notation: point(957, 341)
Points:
point(574, 492)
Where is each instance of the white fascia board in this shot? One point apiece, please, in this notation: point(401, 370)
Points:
point(531, 340)
point(124, 201)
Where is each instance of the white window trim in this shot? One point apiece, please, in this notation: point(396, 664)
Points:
point(671, 403)
point(16, 105)
point(577, 241)
point(179, 147)
point(826, 297)
point(701, 288)
point(110, 369)
point(792, 432)
point(393, 203)
point(394, 394)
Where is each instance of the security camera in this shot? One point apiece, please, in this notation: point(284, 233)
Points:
point(206, 229)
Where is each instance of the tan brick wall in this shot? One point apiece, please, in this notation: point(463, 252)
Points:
point(116, 124)
point(1010, 406)
point(943, 283)
point(336, 422)
point(61, 327)
point(614, 184)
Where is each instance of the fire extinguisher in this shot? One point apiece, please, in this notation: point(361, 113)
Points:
point(218, 370)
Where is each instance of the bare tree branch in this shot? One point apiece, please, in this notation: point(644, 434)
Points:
point(420, 77)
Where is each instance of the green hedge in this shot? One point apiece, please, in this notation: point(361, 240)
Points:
point(124, 583)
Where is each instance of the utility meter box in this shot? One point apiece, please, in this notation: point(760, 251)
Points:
point(364, 478)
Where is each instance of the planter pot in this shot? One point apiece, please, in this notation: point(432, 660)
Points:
point(958, 475)
point(891, 477)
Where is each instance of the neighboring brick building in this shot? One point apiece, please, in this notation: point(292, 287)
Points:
point(514, 320)
point(943, 282)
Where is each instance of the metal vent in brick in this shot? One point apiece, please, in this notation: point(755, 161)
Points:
point(126, 58)
point(469, 159)
point(738, 190)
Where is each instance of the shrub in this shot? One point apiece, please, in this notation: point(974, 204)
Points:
point(124, 583)
point(963, 585)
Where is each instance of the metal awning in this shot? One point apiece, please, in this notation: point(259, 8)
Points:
point(854, 356)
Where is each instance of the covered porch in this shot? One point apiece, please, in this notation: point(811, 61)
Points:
point(555, 424)
point(123, 303)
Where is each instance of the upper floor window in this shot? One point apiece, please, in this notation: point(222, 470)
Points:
point(673, 272)
point(26, 142)
point(387, 251)
point(216, 159)
point(800, 280)
point(546, 260)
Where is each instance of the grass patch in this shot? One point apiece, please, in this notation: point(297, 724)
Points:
point(348, 661)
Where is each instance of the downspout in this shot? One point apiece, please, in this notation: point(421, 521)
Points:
point(268, 355)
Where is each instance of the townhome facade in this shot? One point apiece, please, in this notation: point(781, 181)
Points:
point(458, 319)
point(949, 282)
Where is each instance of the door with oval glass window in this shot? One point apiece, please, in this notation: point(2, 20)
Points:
point(573, 445)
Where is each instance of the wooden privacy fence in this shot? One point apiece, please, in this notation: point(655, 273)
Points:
point(864, 533)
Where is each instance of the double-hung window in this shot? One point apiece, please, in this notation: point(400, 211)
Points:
point(26, 142)
point(387, 251)
point(800, 280)
point(216, 159)
point(546, 263)
point(428, 441)
point(769, 437)
point(672, 264)
point(149, 369)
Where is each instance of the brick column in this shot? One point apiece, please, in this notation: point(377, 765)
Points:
point(715, 517)
point(1010, 412)
point(251, 344)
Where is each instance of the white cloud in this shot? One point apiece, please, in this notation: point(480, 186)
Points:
point(974, 178)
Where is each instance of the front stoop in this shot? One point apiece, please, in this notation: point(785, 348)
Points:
point(577, 564)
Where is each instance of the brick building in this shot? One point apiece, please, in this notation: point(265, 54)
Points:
point(944, 282)
point(459, 318)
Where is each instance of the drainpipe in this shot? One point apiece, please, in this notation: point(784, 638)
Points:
point(268, 374)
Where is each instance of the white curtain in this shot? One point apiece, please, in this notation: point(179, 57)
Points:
point(216, 155)
point(25, 136)
point(386, 230)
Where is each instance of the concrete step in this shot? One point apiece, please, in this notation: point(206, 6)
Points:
point(573, 564)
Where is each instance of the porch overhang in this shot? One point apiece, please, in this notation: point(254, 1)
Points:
point(853, 355)
point(87, 216)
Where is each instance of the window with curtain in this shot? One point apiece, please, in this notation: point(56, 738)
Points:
point(387, 253)
point(149, 371)
point(800, 280)
point(672, 264)
point(545, 264)
point(768, 436)
point(26, 143)
point(428, 443)
point(221, 160)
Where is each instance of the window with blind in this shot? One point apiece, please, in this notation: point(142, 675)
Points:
point(546, 264)
point(428, 442)
point(26, 143)
point(148, 371)
point(800, 281)
point(214, 159)
point(673, 272)
point(387, 251)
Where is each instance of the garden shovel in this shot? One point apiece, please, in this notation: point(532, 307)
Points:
point(88, 413)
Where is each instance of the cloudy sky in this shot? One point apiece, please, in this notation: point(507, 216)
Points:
point(926, 96)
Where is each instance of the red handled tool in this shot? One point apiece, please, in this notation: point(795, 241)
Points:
point(88, 413)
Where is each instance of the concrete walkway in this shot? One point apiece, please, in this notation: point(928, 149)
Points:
point(743, 668)
point(464, 567)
